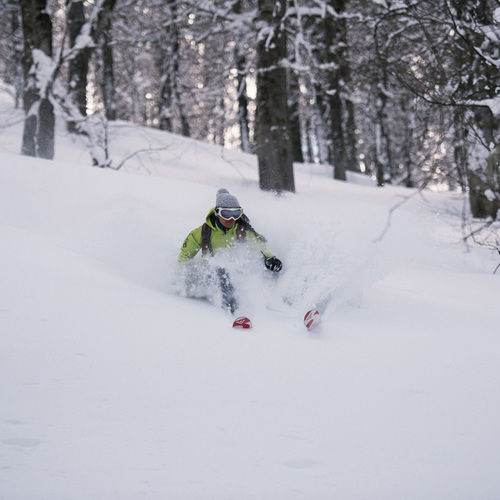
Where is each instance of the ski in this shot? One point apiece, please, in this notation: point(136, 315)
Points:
point(312, 319)
point(242, 322)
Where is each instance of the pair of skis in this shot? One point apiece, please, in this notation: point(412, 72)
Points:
point(311, 320)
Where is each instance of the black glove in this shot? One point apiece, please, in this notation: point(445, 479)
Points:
point(273, 264)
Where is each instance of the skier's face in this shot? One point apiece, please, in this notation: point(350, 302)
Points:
point(227, 223)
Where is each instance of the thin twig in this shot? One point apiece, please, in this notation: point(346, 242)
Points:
point(498, 267)
point(391, 211)
point(135, 153)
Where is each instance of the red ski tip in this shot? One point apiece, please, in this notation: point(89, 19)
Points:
point(312, 319)
point(242, 322)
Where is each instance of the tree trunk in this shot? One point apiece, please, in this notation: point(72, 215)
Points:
point(13, 65)
point(321, 125)
point(169, 94)
point(476, 51)
point(108, 84)
point(330, 51)
point(460, 152)
point(243, 121)
point(79, 64)
point(352, 159)
point(295, 125)
point(38, 134)
point(241, 63)
point(166, 63)
point(271, 127)
point(382, 143)
point(406, 146)
point(337, 135)
point(484, 174)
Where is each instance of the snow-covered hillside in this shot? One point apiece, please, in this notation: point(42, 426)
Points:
point(114, 387)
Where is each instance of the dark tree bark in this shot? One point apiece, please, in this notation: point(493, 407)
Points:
point(382, 137)
point(79, 63)
point(240, 58)
point(484, 179)
point(294, 118)
point(108, 84)
point(352, 160)
point(38, 134)
point(13, 65)
point(243, 104)
point(479, 79)
point(169, 94)
point(330, 51)
point(271, 128)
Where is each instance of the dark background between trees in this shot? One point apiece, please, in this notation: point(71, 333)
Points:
point(407, 91)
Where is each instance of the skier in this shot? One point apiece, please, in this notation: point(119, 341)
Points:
point(225, 225)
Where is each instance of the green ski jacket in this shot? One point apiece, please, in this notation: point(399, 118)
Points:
point(220, 238)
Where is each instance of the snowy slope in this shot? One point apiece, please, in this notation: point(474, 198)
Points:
point(113, 387)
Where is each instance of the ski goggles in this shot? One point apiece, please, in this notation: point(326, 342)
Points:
point(229, 213)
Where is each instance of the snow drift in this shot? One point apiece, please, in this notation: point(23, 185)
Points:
point(114, 387)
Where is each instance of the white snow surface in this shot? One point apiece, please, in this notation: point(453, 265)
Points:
point(112, 387)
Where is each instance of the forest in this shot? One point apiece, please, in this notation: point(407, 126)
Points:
point(404, 91)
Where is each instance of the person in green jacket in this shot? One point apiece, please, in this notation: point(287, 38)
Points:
point(225, 226)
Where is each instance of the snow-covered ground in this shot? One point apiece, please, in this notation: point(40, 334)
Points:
point(112, 387)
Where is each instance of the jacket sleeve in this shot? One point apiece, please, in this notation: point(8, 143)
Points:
point(260, 242)
point(191, 246)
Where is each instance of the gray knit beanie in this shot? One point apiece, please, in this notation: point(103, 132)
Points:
point(226, 200)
